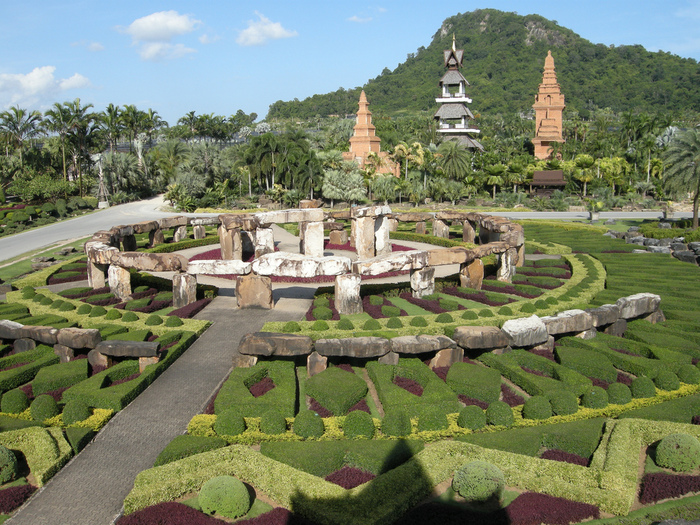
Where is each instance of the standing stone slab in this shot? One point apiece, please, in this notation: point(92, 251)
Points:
point(230, 240)
point(156, 237)
point(338, 237)
point(471, 274)
point(97, 274)
point(199, 231)
point(506, 267)
point(421, 227)
point(315, 364)
point(23, 345)
point(64, 353)
point(447, 357)
point(422, 282)
point(312, 239)
point(129, 243)
point(364, 237)
point(184, 289)
point(264, 241)
point(254, 291)
point(468, 232)
point(382, 243)
point(527, 331)
point(347, 294)
point(441, 229)
point(97, 359)
point(119, 282)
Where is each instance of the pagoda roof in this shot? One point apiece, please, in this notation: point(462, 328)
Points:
point(453, 57)
point(453, 77)
point(450, 111)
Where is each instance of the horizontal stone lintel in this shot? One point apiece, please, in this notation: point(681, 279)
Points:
point(219, 267)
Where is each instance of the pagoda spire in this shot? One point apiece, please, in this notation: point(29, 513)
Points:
point(549, 106)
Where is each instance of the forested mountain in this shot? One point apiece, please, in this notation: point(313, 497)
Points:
point(503, 60)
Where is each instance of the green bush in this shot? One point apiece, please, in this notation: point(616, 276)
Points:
point(308, 424)
point(474, 381)
point(97, 311)
point(129, 317)
point(291, 327)
point(418, 321)
point(79, 437)
point(391, 311)
point(499, 413)
point(323, 313)
point(319, 326)
point(485, 313)
point(478, 481)
point(358, 424)
point(344, 324)
point(444, 318)
point(587, 362)
point(470, 315)
point(563, 403)
point(69, 307)
point(273, 422)
point(225, 496)
point(173, 321)
point(528, 308)
point(679, 452)
point(396, 423)
point(448, 304)
point(43, 407)
point(48, 208)
point(185, 445)
point(75, 410)
point(432, 419)
point(84, 309)
point(56, 305)
point(229, 423)
point(321, 301)
point(376, 300)
point(14, 402)
point(505, 310)
point(28, 292)
point(394, 323)
point(336, 389)
point(153, 320)
point(596, 397)
point(46, 301)
point(113, 314)
point(667, 380)
point(9, 467)
point(537, 407)
point(642, 387)
point(619, 394)
point(371, 324)
point(689, 374)
point(471, 417)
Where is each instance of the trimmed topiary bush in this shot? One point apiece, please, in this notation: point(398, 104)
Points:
point(185, 445)
point(43, 407)
point(323, 313)
point(485, 313)
point(69, 307)
point(75, 410)
point(322, 301)
point(444, 318)
point(396, 423)
point(667, 380)
point(84, 309)
point(345, 324)
point(130, 317)
point(172, 321)
point(371, 324)
point(537, 407)
point(113, 314)
point(432, 419)
point(642, 387)
point(291, 327)
point(229, 423)
point(28, 292)
point(619, 394)
point(689, 374)
point(528, 308)
point(470, 315)
point(225, 496)
point(478, 481)
point(499, 413)
point(471, 417)
point(319, 326)
point(679, 452)
point(564, 402)
point(376, 300)
point(595, 397)
point(505, 310)
point(14, 402)
point(358, 424)
point(394, 323)
point(273, 422)
point(8, 465)
point(154, 320)
point(308, 424)
point(97, 311)
point(418, 321)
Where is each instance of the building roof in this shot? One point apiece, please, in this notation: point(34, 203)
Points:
point(453, 77)
point(450, 111)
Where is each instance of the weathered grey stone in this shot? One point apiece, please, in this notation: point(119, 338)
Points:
point(97, 274)
point(382, 242)
point(618, 328)
point(347, 294)
point(79, 337)
point(525, 332)
point(444, 256)
point(315, 364)
point(659, 249)
point(506, 266)
point(468, 232)
point(254, 291)
point(119, 348)
point(41, 265)
point(514, 236)
point(99, 252)
point(145, 226)
point(393, 262)
point(364, 237)
point(655, 317)
point(244, 361)
point(312, 239)
point(10, 329)
point(420, 344)
point(172, 222)
point(184, 289)
point(639, 239)
point(310, 203)
point(422, 282)
point(297, 265)
point(119, 282)
point(230, 240)
point(363, 347)
point(569, 321)
point(264, 241)
point(447, 357)
point(651, 242)
point(204, 221)
point(156, 237)
point(441, 229)
point(547, 346)
point(199, 231)
point(391, 358)
point(369, 211)
point(291, 215)
point(521, 256)
point(151, 262)
point(587, 334)
point(96, 359)
point(146, 361)
point(23, 345)
point(414, 216)
point(64, 353)
point(481, 337)
point(129, 243)
point(47, 335)
point(219, 267)
point(687, 256)
point(695, 246)
point(338, 237)
point(421, 227)
point(604, 315)
point(471, 275)
point(275, 344)
point(637, 305)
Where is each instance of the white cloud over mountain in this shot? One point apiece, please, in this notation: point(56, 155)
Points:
point(261, 31)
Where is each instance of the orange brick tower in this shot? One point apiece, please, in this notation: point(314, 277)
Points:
point(548, 106)
point(453, 116)
point(364, 142)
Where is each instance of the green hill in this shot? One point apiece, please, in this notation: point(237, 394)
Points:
point(503, 60)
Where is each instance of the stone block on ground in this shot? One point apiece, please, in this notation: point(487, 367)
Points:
point(382, 242)
point(97, 274)
point(64, 353)
point(569, 321)
point(604, 315)
point(10, 329)
point(338, 237)
point(146, 361)
point(97, 360)
point(468, 232)
point(244, 361)
point(480, 337)
point(391, 358)
point(347, 294)
point(275, 344)
point(79, 337)
point(471, 274)
point(364, 237)
point(119, 348)
point(23, 345)
point(506, 265)
point(419, 344)
point(526, 332)
point(637, 305)
point(655, 317)
point(422, 282)
point(447, 357)
point(47, 335)
point(184, 289)
point(441, 229)
point(119, 280)
point(361, 347)
point(618, 328)
point(254, 291)
point(315, 364)
point(156, 237)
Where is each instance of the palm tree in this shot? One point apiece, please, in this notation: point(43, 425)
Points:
point(682, 172)
point(81, 129)
point(584, 173)
point(111, 123)
point(153, 122)
point(190, 122)
point(454, 160)
point(169, 156)
point(133, 120)
point(495, 176)
point(58, 120)
point(20, 125)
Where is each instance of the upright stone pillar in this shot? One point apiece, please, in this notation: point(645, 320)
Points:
point(441, 229)
point(338, 237)
point(119, 282)
point(382, 242)
point(393, 225)
point(468, 232)
point(364, 237)
point(521, 256)
point(180, 234)
point(199, 231)
point(129, 243)
point(313, 239)
point(231, 246)
point(506, 267)
point(184, 289)
point(421, 228)
point(423, 282)
point(264, 241)
point(155, 237)
point(347, 294)
point(96, 274)
point(471, 274)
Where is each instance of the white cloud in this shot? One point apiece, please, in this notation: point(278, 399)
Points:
point(261, 31)
point(36, 88)
point(208, 39)
point(154, 51)
point(359, 20)
point(95, 46)
point(154, 34)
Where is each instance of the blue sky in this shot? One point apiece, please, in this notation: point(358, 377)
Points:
point(218, 56)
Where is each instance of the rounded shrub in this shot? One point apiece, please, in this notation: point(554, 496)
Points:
point(563, 403)
point(642, 387)
point(537, 407)
point(479, 481)
point(667, 380)
point(345, 324)
point(471, 417)
point(172, 321)
point(323, 313)
point(229, 423)
point(376, 300)
point(67, 307)
point(290, 327)
point(485, 313)
point(689, 374)
point(46, 301)
point(225, 496)
point(432, 419)
point(8, 465)
point(358, 424)
point(43, 407)
point(153, 320)
point(56, 305)
point(444, 318)
point(74, 411)
point(394, 322)
point(84, 309)
point(595, 397)
point(113, 314)
point(541, 304)
point(28, 292)
point(528, 308)
point(391, 311)
point(499, 413)
point(130, 317)
point(98, 311)
point(371, 324)
point(319, 326)
point(14, 402)
point(308, 424)
point(396, 423)
point(273, 422)
point(551, 300)
point(418, 321)
point(470, 315)
point(619, 394)
point(449, 305)
point(322, 301)
point(48, 208)
point(505, 310)
point(679, 452)
point(38, 297)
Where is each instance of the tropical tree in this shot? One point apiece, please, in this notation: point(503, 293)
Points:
point(454, 160)
point(495, 176)
point(382, 188)
point(111, 123)
point(83, 124)
point(682, 173)
point(20, 125)
point(58, 120)
point(584, 170)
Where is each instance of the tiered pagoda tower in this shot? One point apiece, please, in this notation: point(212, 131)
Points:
point(454, 116)
point(548, 106)
point(364, 141)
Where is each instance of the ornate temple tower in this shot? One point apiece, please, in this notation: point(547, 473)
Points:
point(364, 141)
point(548, 106)
point(453, 116)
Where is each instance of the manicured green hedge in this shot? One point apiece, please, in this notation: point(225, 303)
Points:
point(336, 389)
point(36, 359)
point(60, 375)
point(474, 381)
point(587, 362)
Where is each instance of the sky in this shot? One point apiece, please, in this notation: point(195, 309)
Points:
point(218, 56)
